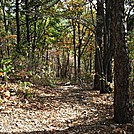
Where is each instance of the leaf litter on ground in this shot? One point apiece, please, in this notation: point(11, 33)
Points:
point(63, 109)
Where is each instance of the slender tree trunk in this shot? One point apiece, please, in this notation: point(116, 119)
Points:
point(64, 64)
point(67, 67)
point(74, 43)
point(79, 51)
point(108, 46)
point(98, 79)
point(47, 58)
point(1, 51)
point(4, 15)
point(121, 65)
point(6, 23)
point(58, 66)
point(90, 56)
point(27, 26)
point(35, 36)
point(18, 27)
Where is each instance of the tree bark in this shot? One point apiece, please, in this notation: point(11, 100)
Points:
point(18, 27)
point(79, 51)
point(3, 3)
point(27, 26)
point(74, 44)
point(121, 65)
point(35, 36)
point(108, 45)
point(98, 79)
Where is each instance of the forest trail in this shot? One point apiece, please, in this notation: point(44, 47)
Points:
point(65, 109)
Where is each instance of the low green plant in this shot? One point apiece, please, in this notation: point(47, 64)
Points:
point(25, 87)
point(6, 68)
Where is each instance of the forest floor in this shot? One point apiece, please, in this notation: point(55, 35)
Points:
point(64, 109)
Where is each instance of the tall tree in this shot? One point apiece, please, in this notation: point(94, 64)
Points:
point(121, 64)
point(27, 23)
point(108, 45)
point(3, 4)
point(99, 72)
point(18, 26)
point(74, 44)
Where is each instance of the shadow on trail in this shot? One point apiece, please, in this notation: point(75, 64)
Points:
point(77, 129)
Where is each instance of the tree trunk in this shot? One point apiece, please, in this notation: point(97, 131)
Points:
point(6, 23)
point(18, 27)
point(35, 35)
point(79, 51)
point(27, 26)
point(74, 43)
point(3, 3)
point(58, 66)
point(90, 61)
point(108, 46)
point(98, 79)
point(64, 65)
point(121, 64)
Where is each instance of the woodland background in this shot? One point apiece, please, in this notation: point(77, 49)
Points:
point(58, 45)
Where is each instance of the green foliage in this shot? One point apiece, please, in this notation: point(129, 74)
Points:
point(131, 44)
point(7, 65)
point(7, 68)
point(131, 54)
point(44, 77)
point(24, 86)
point(50, 36)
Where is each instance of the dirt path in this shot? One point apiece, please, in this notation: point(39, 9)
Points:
point(63, 110)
